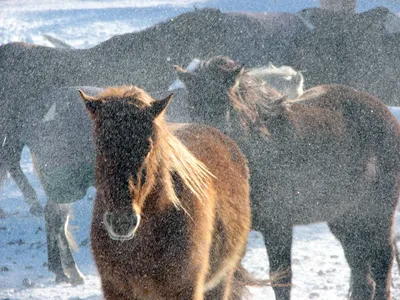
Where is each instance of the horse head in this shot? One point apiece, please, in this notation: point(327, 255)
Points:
point(207, 84)
point(124, 131)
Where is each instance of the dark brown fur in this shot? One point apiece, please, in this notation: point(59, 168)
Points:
point(193, 202)
point(332, 155)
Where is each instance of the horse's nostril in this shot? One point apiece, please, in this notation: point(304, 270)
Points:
point(109, 218)
point(121, 224)
point(124, 222)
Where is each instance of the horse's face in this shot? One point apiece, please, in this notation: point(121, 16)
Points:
point(123, 135)
point(207, 88)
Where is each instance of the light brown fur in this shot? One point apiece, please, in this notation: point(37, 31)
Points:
point(193, 204)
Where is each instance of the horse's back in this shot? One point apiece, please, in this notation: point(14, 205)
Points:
point(354, 119)
point(342, 140)
point(370, 116)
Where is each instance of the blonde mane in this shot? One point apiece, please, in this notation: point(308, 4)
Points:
point(170, 154)
point(175, 157)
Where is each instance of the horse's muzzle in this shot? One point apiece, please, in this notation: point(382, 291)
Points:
point(121, 227)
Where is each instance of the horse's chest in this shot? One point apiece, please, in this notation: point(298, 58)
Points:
point(153, 257)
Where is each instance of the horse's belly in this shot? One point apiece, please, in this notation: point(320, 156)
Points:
point(308, 197)
point(324, 199)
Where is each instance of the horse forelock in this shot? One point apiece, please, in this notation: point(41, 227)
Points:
point(132, 94)
point(167, 155)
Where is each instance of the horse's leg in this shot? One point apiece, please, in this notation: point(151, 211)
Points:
point(20, 179)
point(27, 190)
point(223, 290)
point(59, 254)
point(383, 244)
point(216, 293)
point(278, 241)
point(381, 256)
point(53, 225)
point(354, 236)
point(64, 242)
point(111, 292)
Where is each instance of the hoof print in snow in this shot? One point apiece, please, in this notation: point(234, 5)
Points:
point(321, 273)
point(296, 261)
point(313, 296)
point(4, 269)
point(28, 267)
point(334, 256)
point(19, 242)
point(332, 270)
point(27, 283)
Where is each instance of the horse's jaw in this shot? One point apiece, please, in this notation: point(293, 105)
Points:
point(117, 237)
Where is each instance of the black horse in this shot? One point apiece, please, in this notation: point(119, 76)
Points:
point(61, 146)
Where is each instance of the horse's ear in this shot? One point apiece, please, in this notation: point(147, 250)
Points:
point(159, 106)
point(183, 75)
point(233, 75)
point(91, 103)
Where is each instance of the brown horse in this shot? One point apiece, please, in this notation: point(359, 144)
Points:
point(332, 155)
point(172, 211)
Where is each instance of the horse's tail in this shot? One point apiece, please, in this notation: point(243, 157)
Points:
point(242, 279)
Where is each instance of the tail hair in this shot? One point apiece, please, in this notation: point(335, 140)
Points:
point(242, 279)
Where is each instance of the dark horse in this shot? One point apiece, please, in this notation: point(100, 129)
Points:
point(331, 155)
point(59, 140)
point(172, 210)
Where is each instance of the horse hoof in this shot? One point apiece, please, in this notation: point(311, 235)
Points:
point(36, 210)
point(76, 281)
point(62, 279)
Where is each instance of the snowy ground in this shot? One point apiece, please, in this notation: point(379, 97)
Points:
point(320, 270)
